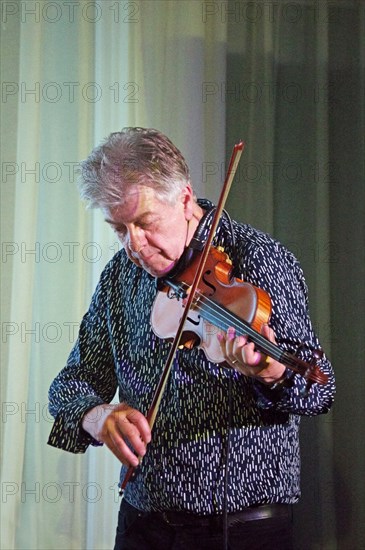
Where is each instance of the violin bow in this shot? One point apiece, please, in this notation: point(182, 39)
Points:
point(153, 410)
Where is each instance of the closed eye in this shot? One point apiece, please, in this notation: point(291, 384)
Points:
point(118, 229)
point(146, 225)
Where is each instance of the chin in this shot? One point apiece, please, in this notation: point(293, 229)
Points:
point(167, 269)
point(160, 272)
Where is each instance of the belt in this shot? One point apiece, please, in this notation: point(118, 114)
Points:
point(253, 513)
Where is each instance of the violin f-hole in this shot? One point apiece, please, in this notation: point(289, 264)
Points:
point(208, 283)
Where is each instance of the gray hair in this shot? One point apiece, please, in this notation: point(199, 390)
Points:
point(133, 156)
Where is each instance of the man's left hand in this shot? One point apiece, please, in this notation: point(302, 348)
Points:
point(243, 356)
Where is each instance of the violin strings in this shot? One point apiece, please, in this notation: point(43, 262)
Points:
point(227, 319)
point(215, 313)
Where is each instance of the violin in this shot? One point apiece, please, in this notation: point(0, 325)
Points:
point(221, 301)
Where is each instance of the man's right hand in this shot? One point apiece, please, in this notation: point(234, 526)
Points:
point(113, 425)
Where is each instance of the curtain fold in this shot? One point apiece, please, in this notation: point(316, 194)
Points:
point(20, 310)
point(301, 101)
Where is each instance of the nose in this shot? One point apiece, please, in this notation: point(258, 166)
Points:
point(134, 250)
point(135, 240)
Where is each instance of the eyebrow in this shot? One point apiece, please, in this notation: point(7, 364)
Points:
point(141, 218)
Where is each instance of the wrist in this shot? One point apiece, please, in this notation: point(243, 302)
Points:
point(285, 380)
point(273, 374)
point(92, 420)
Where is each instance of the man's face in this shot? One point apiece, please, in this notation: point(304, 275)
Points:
point(152, 232)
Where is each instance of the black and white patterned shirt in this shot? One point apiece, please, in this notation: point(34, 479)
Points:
point(185, 463)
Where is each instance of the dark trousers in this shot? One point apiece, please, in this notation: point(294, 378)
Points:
point(149, 531)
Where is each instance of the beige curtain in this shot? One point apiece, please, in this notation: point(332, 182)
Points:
point(72, 74)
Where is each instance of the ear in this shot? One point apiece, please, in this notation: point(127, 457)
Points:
point(188, 201)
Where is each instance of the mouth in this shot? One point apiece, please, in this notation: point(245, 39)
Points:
point(167, 269)
point(154, 269)
point(154, 263)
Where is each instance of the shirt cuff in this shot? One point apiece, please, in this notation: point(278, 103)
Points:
point(67, 432)
point(269, 395)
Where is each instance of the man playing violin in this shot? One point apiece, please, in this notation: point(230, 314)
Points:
point(220, 468)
